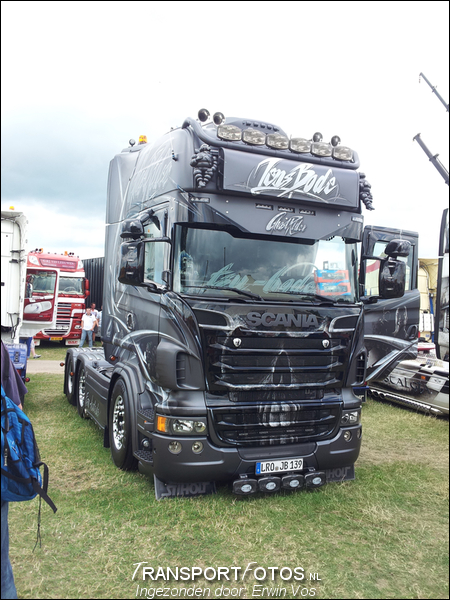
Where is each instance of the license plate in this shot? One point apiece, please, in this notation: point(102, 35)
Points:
point(57, 339)
point(279, 466)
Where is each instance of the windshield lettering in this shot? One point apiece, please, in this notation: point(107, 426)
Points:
point(214, 263)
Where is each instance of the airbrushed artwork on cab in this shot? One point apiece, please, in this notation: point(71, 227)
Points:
point(422, 384)
point(390, 336)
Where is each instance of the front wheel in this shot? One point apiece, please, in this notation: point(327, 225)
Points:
point(69, 381)
point(120, 428)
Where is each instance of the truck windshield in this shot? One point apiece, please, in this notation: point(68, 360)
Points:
point(214, 263)
point(40, 283)
point(71, 285)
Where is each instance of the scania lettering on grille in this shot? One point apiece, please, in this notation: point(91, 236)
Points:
point(269, 319)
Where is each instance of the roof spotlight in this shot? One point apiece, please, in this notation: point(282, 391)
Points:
point(317, 137)
point(203, 115)
point(335, 140)
point(218, 118)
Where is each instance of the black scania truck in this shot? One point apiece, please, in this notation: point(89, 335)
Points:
point(239, 315)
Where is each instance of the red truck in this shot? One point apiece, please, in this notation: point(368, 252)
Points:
point(72, 294)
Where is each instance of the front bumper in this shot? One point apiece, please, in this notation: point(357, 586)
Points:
point(226, 463)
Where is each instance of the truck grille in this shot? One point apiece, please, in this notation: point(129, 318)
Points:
point(63, 320)
point(273, 424)
point(64, 310)
point(64, 329)
point(273, 362)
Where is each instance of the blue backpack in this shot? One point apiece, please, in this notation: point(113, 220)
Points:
point(21, 461)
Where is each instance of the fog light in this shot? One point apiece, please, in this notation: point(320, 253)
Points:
point(316, 479)
point(292, 482)
point(269, 484)
point(175, 447)
point(197, 447)
point(244, 486)
point(347, 436)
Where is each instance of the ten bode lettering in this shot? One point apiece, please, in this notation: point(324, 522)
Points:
point(284, 222)
point(301, 178)
point(271, 320)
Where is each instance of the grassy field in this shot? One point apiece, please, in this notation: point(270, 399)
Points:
point(55, 350)
point(384, 535)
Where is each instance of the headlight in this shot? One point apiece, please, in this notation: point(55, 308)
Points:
point(351, 417)
point(174, 426)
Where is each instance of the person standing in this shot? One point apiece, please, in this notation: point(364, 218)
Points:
point(95, 313)
point(88, 322)
point(99, 321)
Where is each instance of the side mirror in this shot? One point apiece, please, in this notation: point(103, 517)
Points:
point(132, 228)
point(132, 263)
point(392, 278)
point(397, 248)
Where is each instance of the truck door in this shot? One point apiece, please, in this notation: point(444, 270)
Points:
point(40, 304)
point(391, 325)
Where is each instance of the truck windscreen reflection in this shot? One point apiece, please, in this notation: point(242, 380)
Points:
point(271, 270)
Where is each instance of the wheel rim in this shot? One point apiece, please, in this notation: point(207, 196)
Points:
point(81, 388)
point(118, 422)
point(69, 380)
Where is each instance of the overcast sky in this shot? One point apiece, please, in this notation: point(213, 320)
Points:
point(79, 79)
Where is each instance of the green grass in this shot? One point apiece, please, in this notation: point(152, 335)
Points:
point(384, 535)
point(55, 350)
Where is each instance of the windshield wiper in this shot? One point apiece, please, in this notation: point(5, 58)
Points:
point(309, 296)
point(233, 289)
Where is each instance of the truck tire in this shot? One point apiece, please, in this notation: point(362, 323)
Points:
point(120, 428)
point(69, 382)
point(80, 391)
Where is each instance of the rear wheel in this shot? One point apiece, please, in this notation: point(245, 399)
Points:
point(120, 428)
point(81, 392)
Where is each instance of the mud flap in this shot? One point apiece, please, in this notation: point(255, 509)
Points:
point(340, 474)
point(182, 490)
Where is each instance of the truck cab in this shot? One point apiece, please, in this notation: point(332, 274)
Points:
point(233, 322)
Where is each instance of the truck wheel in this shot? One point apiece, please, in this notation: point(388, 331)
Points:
point(80, 391)
point(120, 428)
point(69, 382)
